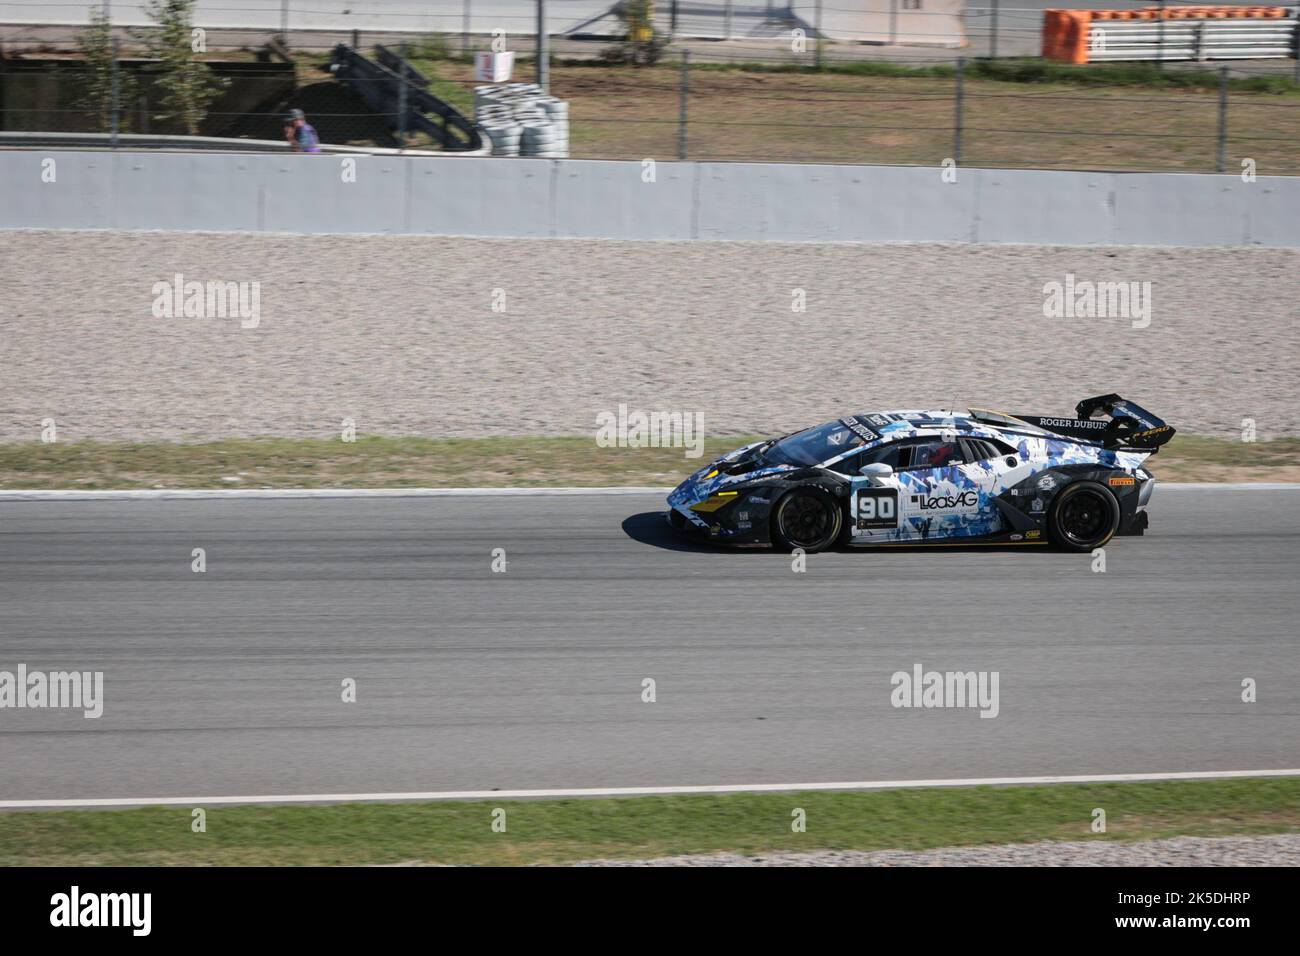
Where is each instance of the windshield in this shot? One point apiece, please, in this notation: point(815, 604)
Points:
point(812, 446)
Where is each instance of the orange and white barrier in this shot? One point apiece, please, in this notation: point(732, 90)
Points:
point(1171, 33)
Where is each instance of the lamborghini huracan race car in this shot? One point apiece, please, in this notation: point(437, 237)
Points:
point(913, 477)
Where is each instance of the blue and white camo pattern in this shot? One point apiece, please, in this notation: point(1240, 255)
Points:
point(968, 489)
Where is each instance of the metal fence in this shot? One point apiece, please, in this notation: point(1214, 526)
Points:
point(964, 117)
point(849, 29)
point(764, 101)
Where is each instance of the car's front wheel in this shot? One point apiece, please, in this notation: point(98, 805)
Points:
point(1084, 516)
point(807, 518)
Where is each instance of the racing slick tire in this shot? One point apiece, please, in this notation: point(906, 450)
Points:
point(807, 518)
point(1084, 516)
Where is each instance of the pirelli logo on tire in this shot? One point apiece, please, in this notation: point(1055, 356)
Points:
point(1121, 481)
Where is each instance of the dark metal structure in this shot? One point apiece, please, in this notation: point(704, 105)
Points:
point(399, 91)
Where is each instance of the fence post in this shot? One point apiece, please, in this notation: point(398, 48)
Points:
point(1222, 144)
point(401, 99)
point(728, 17)
point(681, 109)
point(284, 22)
point(116, 106)
point(543, 52)
point(893, 21)
point(672, 23)
point(1297, 45)
point(1160, 38)
point(817, 29)
point(957, 117)
point(993, 37)
point(464, 29)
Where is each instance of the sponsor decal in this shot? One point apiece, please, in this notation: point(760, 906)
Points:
point(1033, 534)
point(1089, 424)
point(1151, 431)
point(1036, 504)
point(877, 508)
point(1047, 482)
point(966, 499)
point(1116, 482)
point(859, 429)
point(1141, 416)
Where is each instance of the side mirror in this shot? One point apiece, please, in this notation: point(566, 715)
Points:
point(877, 469)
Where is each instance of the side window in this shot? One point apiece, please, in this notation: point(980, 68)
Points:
point(848, 465)
point(886, 455)
point(889, 454)
point(935, 453)
point(986, 449)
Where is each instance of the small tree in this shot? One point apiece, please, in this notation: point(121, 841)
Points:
point(187, 86)
point(93, 88)
point(642, 44)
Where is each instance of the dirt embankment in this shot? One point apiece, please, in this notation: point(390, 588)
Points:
point(400, 335)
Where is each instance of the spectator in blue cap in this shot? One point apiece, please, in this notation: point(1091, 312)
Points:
point(300, 134)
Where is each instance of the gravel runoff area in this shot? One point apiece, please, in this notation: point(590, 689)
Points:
point(1281, 849)
point(399, 334)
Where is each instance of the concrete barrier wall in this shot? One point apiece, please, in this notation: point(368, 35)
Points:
point(620, 200)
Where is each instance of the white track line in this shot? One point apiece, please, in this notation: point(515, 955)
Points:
point(1227, 486)
point(635, 791)
point(206, 493)
point(200, 493)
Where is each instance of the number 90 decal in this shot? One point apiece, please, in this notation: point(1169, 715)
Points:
point(877, 508)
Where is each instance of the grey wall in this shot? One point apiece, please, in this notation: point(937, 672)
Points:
point(530, 197)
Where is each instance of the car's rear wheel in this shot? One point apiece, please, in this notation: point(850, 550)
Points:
point(1084, 516)
point(807, 518)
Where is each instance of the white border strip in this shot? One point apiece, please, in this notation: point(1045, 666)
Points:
point(1226, 486)
point(539, 492)
point(634, 791)
point(201, 493)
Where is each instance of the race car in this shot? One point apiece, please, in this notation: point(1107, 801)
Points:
point(933, 477)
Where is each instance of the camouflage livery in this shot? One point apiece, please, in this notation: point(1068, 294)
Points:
point(919, 477)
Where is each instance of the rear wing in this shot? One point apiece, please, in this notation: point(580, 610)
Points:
point(1129, 425)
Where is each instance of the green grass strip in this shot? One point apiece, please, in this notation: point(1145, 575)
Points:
point(374, 462)
point(558, 831)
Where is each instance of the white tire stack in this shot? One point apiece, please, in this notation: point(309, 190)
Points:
point(503, 131)
point(521, 120)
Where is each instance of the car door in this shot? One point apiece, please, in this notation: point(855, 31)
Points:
point(873, 500)
point(942, 494)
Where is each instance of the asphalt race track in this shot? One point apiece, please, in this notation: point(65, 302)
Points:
point(229, 682)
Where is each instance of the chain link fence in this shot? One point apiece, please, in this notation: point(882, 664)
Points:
point(759, 98)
